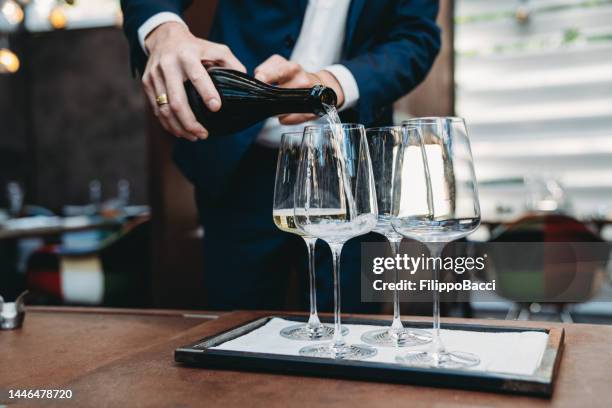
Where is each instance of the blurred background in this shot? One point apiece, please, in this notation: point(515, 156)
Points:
point(93, 212)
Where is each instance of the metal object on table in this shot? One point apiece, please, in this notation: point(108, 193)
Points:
point(15, 197)
point(12, 314)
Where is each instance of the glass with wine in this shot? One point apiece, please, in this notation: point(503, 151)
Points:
point(335, 200)
point(283, 214)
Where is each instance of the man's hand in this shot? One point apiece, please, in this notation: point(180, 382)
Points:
point(288, 74)
point(176, 55)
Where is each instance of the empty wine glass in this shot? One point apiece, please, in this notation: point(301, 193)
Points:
point(453, 196)
point(388, 147)
point(335, 200)
point(284, 218)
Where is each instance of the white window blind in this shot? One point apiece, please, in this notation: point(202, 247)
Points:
point(537, 94)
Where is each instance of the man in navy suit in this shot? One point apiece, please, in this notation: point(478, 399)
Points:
point(371, 52)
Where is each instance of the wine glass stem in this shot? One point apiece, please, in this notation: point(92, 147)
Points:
point(435, 251)
point(395, 242)
point(338, 340)
point(313, 319)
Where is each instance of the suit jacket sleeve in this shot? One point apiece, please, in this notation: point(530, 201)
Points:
point(136, 13)
point(399, 60)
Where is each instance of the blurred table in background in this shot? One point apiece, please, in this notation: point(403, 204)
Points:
point(114, 357)
point(21, 238)
point(29, 227)
point(597, 223)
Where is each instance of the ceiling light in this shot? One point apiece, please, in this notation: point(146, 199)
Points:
point(9, 62)
point(58, 18)
point(12, 12)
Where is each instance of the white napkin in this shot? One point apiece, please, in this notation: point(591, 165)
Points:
point(507, 352)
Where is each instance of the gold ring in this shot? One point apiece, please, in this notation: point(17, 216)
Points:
point(162, 100)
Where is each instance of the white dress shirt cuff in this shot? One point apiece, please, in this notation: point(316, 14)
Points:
point(347, 82)
point(152, 23)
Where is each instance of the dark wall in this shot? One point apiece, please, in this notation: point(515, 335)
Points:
point(177, 249)
point(72, 114)
point(13, 135)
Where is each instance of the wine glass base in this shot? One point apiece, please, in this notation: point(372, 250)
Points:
point(306, 332)
point(445, 359)
point(345, 352)
point(396, 338)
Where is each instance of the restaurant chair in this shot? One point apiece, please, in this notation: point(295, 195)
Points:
point(570, 268)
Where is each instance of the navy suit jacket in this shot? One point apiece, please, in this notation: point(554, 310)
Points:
point(389, 47)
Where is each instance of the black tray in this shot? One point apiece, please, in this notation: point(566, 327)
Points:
point(539, 384)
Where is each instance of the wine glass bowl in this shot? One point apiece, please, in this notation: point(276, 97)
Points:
point(339, 201)
point(453, 191)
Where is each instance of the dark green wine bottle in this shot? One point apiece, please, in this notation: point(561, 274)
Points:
point(246, 101)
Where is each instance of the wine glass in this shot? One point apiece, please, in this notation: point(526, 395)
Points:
point(453, 196)
point(335, 200)
point(388, 147)
point(284, 218)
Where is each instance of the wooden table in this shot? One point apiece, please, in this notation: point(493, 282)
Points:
point(124, 358)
